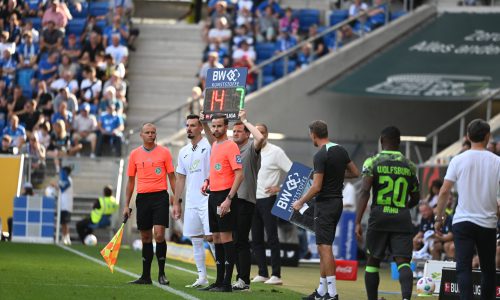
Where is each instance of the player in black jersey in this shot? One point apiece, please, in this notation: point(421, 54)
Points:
point(395, 190)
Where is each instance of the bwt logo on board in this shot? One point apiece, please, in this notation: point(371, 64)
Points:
point(226, 75)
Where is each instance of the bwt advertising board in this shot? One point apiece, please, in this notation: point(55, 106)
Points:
point(297, 182)
point(225, 92)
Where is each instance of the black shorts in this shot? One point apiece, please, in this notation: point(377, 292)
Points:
point(326, 217)
point(65, 217)
point(400, 244)
point(218, 224)
point(152, 209)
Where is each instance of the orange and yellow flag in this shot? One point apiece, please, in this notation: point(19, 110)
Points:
point(110, 252)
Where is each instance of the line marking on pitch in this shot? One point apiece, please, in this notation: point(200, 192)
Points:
point(123, 271)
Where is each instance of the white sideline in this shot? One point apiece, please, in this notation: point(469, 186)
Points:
point(123, 271)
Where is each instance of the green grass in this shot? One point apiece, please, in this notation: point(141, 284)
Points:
point(30, 271)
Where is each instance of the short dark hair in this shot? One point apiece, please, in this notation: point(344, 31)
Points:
point(193, 117)
point(67, 169)
point(477, 130)
point(391, 135)
point(108, 191)
point(221, 116)
point(319, 129)
point(238, 123)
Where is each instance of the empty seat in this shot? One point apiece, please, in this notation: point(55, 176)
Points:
point(75, 26)
point(338, 16)
point(307, 17)
point(265, 50)
point(99, 8)
point(279, 67)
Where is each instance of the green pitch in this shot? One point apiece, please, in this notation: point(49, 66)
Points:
point(30, 271)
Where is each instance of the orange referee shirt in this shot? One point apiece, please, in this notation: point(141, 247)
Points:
point(151, 168)
point(224, 159)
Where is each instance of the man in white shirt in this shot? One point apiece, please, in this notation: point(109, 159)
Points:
point(193, 167)
point(274, 163)
point(65, 81)
point(84, 126)
point(119, 52)
point(476, 173)
point(212, 62)
point(220, 34)
point(91, 87)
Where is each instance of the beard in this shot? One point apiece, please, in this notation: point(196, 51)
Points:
point(190, 136)
point(218, 134)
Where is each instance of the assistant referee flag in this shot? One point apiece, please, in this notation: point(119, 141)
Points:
point(110, 252)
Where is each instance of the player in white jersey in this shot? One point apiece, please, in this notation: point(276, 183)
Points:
point(193, 167)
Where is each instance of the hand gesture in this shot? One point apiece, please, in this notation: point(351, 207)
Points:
point(297, 205)
point(272, 190)
point(242, 115)
point(177, 211)
point(225, 207)
point(204, 187)
point(126, 212)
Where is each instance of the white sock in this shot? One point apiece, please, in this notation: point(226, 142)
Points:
point(322, 286)
point(199, 257)
point(332, 285)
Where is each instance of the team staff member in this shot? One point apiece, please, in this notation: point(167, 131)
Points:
point(193, 166)
point(274, 163)
point(151, 164)
point(476, 173)
point(331, 165)
point(393, 179)
point(226, 175)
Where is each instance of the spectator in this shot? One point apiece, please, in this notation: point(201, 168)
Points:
point(319, 46)
point(84, 127)
point(14, 29)
point(125, 20)
point(47, 68)
point(285, 41)
point(245, 4)
point(28, 52)
point(100, 216)
point(247, 62)
point(42, 134)
point(56, 14)
point(266, 26)
point(377, 16)
point(90, 27)
point(5, 44)
point(9, 66)
point(33, 7)
point(60, 144)
point(67, 65)
point(8, 8)
point(443, 241)
point(117, 51)
point(244, 18)
point(346, 35)
point(17, 101)
point(426, 224)
point(220, 12)
point(66, 96)
point(29, 117)
point(63, 114)
point(35, 35)
point(305, 56)
point(269, 3)
point(109, 98)
point(72, 50)
point(93, 46)
point(289, 23)
point(36, 152)
point(244, 50)
point(357, 7)
point(4, 112)
point(16, 132)
point(119, 85)
point(51, 38)
point(116, 28)
point(44, 99)
point(242, 34)
point(6, 145)
point(111, 67)
point(110, 131)
point(466, 145)
point(211, 63)
point(66, 80)
point(434, 192)
point(195, 102)
point(90, 88)
point(220, 34)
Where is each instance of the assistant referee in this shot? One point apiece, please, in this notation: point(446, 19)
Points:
point(151, 164)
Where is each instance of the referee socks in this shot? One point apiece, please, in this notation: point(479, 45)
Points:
point(230, 253)
point(161, 254)
point(219, 260)
point(147, 258)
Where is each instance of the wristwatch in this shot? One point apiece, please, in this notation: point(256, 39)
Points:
point(230, 197)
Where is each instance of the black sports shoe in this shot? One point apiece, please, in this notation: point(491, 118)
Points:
point(162, 279)
point(328, 297)
point(141, 281)
point(208, 288)
point(314, 296)
point(222, 289)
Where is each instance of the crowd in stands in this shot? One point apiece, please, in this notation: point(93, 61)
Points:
point(63, 68)
point(245, 33)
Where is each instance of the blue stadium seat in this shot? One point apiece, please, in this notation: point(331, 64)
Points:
point(397, 14)
point(80, 14)
point(76, 26)
point(338, 16)
point(265, 50)
point(99, 8)
point(267, 80)
point(279, 67)
point(307, 17)
point(101, 24)
point(37, 22)
point(268, 69)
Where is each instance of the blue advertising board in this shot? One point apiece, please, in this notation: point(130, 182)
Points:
point(226, 78)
